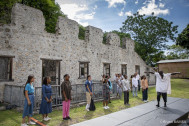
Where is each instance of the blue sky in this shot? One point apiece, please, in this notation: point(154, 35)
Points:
point(109, 14)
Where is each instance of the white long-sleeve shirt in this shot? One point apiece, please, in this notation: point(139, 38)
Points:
point(134, 82)
point(125, 84)
point(138, 77)
point(163, 85)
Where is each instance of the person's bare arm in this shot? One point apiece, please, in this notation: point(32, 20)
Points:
point(174, 73)
point(89, 90)
point(27, 97)
point(66, 99)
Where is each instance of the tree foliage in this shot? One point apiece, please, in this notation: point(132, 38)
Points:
point(183, 38)
point(51, 11)
point(150, 34)
point(177, 52)
point(81, 34)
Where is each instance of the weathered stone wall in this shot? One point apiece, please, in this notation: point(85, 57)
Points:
point(26, 39)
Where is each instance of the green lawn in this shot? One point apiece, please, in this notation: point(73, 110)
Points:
point(180, 88)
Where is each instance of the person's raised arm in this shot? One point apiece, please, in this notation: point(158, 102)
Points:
point(174, 73)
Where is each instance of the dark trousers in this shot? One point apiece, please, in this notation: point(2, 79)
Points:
point(126, 97)
point(145, 94)
point(164, 95)
point(138, 85)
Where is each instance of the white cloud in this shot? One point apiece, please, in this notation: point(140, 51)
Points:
point(78, 12)
point(129, 13)
point(161, 5)
point(136, 2)
point(112, 3)
point(120, 13)
point(150, 7)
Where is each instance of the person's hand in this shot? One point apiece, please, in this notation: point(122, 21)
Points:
point(29, 103)
point(66, 99)
point(47, 100)
point(91, 93)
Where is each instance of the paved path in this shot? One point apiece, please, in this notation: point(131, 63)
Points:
point(143, 115)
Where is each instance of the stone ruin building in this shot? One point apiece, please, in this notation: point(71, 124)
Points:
point(26, 48)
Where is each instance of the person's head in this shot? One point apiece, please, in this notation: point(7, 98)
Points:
point(161, 74)
point(135, 75)
point(116, 75)
point(125, 76)
point(103, 76)
point(89, 77)
point(119, 75)
point(107, 77)
point(105, 80)
point(66, 77)
point(31, 79)
point(144, 77)
point(47, 80)
point(131, 76)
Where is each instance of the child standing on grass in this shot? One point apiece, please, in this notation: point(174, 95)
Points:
point(144, 85)
point(66, 96)
point(105, 88)
point(29, 101)
point(126, 89)
point(46, 103)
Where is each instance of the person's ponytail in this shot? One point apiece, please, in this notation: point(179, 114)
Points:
point(30, 77)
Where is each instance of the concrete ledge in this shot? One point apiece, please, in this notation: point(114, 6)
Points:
point(143, 115)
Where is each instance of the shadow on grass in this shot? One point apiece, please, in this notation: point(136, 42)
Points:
point(89, 115)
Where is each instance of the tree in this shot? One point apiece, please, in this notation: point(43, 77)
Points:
point(150, 34)
point(50, 9)
point(5, 10)
point(177, 52)
point(183, 38)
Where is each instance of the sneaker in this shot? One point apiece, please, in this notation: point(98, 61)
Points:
point(31, 123)
point(45, 119)
point(107, 107)
point(157, 105)
point(48, 118)
point(145, 101)
point(87, 109)
point(24, 124)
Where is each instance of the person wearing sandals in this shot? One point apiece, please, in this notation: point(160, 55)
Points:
point(105, 88)
point(66, 96)
point(46, 103)
point(29, 101)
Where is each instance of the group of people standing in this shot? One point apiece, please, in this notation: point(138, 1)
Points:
point(46, 102)
point(121, 84)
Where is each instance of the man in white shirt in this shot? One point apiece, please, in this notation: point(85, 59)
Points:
point(134, 85)
point(138, 78)
point(126, 88)
point(163, 85)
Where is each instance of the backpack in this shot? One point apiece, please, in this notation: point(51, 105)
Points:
point(92, 106)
